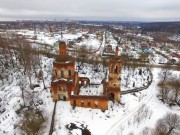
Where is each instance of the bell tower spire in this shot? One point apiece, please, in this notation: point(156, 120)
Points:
point(62, 48)
point(116, 54)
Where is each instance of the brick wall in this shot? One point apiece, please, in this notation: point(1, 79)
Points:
point(100, 102)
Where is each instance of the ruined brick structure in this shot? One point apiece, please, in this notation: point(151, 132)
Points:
point(114, 77)
point(100, 102)
point(65, 78)
point(66, 83)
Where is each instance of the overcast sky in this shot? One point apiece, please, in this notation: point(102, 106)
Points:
point(111, 10)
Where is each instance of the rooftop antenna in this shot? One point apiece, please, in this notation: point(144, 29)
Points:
point(126, 34)
point(61, 31)
point(34, 27)
point(35, 32)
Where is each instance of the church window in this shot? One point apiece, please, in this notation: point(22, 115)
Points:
point(60, 88)
point(62, 73)
point(82, 103)
point(116, 69)
point(96, 104)
point(64, 88)
point(69, 72)
point(89, 104)
point(59, 73)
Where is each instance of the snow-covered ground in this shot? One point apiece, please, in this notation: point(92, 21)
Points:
point(134, 78)
point(45, 37)
point(95, 73)
point(156, 107)
point(119, 119)
point(90, 43)
point(99, 122)
point(91, 90)
point(175, 37)
point(111, 41)
point(131, 78)
point(11, 97)
point(159, 59)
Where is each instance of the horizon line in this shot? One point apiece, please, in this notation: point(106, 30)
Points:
point(87, 20)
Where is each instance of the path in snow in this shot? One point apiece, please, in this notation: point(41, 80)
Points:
point(114, 129)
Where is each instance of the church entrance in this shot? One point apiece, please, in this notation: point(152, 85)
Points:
point(74, 104)
point(62, 97)
point(111, 96)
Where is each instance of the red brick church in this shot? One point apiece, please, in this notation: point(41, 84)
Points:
point(66, 83)
point(65, 78)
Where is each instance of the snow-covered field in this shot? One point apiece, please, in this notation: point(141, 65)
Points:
point(119, 119)
point(131, 78)
point(45, 37)
point(134, 78)
point(95, 73)
point(92, 90)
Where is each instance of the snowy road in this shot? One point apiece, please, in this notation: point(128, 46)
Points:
point(115, 128)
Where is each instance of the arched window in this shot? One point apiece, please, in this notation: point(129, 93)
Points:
point(82, 103)
point(64, 87)
point(116, 69)
point(59, 73)
point(96, 104)
point(62, 73)
point(89, 104)
point(69, 72)
point(60, 88)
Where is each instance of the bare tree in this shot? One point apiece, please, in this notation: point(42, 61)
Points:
point(127, 77)
point(22, 83)
point(143, 58)
point(169, 92)
point(165, 73)
point(41, 74)
point(174, 85)
point(146, 131)
point(25, 55)
point(32, 122)
point(169, 124)
point(4, 48)
point(163, 92)
point(10, 50)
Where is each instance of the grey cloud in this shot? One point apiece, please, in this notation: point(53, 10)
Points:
point(91, 9)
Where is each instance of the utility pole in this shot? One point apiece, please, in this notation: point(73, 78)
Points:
point(61, 31)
